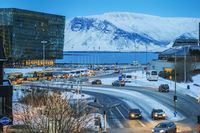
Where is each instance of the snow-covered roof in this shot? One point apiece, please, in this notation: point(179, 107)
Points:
point(185, 42)
point(178, 51)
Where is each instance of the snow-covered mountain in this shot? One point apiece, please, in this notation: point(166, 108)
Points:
point(126, 32)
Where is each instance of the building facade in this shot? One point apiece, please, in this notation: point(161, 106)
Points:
point(29, 35)
point(6, 92)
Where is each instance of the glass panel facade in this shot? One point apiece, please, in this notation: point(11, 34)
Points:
point(1, 103)
point(24, 30)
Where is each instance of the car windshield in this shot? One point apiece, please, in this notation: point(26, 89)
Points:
point(162, 125)
point(128, 76)
point(159, 111)
point(135, 110)
point(154, 73)
point(166, 86)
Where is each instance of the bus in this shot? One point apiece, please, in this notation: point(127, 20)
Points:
point(15, 78)
point(31, 76)
point(152, 75)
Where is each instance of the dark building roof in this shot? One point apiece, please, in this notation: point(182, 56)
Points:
point(185, 42)
point(2, 55)
point(181, 47)
point(175, 51)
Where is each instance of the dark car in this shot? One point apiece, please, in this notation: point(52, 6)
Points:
point(97, 82)
point(163, 88)
point(165, 127)
point(134, 114)
point(158, 114)
point(118, 83)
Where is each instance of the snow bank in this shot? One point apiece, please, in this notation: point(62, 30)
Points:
point(139, 79)
point(140, 100)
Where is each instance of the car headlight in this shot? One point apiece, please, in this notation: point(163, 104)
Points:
point(162, 131)
point(164, 114)
point(155, 115)
point(152, 130)
point(132, 115)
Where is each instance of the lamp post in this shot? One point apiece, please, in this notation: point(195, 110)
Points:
point(146, 53)
point(175, 97)
point(43, 43)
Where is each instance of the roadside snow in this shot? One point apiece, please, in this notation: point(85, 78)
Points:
point(22, 70)
point(146, 103)
point(139, 79)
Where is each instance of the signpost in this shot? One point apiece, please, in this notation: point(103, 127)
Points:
point(120, 77)
point(5, 120)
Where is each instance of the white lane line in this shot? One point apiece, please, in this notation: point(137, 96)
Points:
point(120, 113)
point(141, 123)
point(117, 121)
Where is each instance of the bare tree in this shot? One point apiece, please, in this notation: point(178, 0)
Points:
point(52, 112)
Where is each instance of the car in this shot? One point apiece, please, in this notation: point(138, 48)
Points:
point(135, 114)
point(128, 79)
point(163, 88)
point(97, 82)
point(165, 127)
point(158, 114)
point(118, 83)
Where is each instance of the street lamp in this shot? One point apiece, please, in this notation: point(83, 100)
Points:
point(43, 43)
point(175, 96)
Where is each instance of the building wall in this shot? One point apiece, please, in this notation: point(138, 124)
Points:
point(24, 30)
point(159, 65)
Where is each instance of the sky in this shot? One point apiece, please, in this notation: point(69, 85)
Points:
point(72, 8)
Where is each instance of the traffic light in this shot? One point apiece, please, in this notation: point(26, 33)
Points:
point(198, 119)
point(175, 98)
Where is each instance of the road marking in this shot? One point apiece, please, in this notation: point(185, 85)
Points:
point(120, 113)
point(141, 123)
point(117, 121)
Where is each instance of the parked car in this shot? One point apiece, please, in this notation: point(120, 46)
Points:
point(97, 82)
point(158, 114)
point(163, 88)
point(134, 114)
point(165, 127)
point(118, 83)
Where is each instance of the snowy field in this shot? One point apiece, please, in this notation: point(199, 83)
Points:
point(139, 79)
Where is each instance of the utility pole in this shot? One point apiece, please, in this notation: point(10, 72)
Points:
point(146, 54)
point(104, 116)
point(175, 97)
point(185, 67)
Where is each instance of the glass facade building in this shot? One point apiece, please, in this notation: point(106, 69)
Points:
point(23, 32)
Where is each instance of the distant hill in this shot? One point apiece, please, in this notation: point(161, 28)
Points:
point(126, 32)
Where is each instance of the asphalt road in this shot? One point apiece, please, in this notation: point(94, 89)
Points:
point(118, 116)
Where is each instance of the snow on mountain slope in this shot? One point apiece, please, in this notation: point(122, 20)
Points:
point(126, 32)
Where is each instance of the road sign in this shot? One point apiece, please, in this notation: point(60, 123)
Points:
point(120, 77)
point(175, 113)
point(5, 120)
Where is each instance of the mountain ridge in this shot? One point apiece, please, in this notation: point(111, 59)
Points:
point(116, 31)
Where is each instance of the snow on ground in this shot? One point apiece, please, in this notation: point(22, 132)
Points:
point(20, 92)
point(139, 79)
point(92, 125)
point(146, 103)
point(22, 70)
